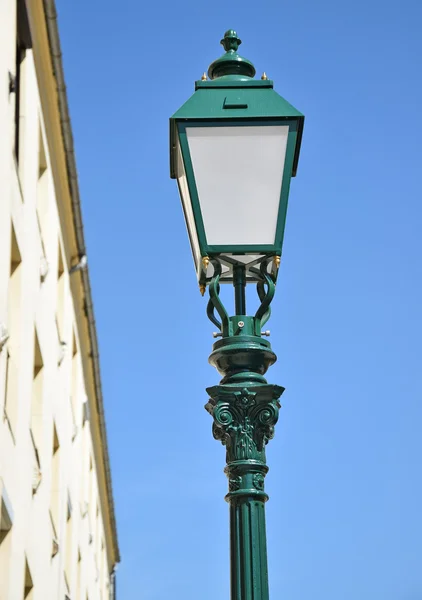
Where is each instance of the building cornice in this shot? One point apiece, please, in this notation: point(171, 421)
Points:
point(48, 61)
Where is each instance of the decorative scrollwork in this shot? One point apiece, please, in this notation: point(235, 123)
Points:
point(235, 483)
point(215, 303)
point(265, 289)
point(222, 414)
point(265, 295)
point(265, 418)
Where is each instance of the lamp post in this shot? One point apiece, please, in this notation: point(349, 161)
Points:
point(234, 146)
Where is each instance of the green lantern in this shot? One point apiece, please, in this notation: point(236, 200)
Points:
point(234, 146)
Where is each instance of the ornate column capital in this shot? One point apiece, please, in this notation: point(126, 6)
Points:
point(244, 419)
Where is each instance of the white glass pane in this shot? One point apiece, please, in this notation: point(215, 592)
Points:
point(238, 173)
point(187, 208)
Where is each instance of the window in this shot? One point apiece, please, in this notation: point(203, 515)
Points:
point(42, 183)
point(98, 539)
point(68, 556)
point(85, 474)
point(28, 583)
point(75, 404)
point(60, 314)
point(37, 412)
point(8, 394)
point(42, 193)
point(42, 202)
point(5, 554)
point(55, 482)
point(92, 502)
point(103, 572)
point(54, 542)
point(23, 43)
point(5, 540)
point(14, 295)
point(79, 577)
point(85, 411)
point(5, 519)
point(37, 395)
point(14, 318)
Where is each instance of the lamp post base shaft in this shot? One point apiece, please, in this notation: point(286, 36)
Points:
point(245, 410)
point(248, 550)
point(244, 420)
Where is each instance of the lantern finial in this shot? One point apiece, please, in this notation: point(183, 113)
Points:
point(231, 64)
point(230, 41)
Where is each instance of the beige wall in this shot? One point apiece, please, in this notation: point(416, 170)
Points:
point(48, 474)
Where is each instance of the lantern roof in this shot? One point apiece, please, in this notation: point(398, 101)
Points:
point(232, 94)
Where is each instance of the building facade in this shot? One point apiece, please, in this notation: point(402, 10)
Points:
point(57, 525)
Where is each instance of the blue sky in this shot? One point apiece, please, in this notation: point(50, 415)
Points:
point(344, 518)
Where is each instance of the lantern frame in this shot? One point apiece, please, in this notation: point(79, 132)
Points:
point(232, 100)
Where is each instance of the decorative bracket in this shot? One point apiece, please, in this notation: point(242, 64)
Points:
point(215, 303)
point(266, 296)
point(265, 289)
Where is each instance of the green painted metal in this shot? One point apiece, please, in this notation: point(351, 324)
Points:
point(244, 419)
point(231, 64)
point(245, 409)
point(229, 326)
point(266, 290)
point(244, 406)
point(239, 283)
point(215, 303)
point(262, 102)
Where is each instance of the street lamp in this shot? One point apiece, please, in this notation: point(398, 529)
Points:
point(234, 146)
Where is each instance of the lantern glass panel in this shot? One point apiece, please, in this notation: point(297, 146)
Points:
point(238, 174)
point(187, 207)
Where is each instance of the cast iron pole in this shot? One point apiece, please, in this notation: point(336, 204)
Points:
point(245, 409)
